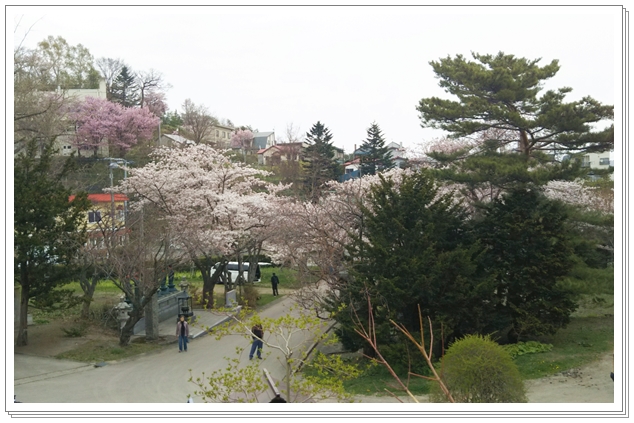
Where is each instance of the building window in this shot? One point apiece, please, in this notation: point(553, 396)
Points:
point(586, 161)
point(217, 133)
point(94, 216)
point(604, 161)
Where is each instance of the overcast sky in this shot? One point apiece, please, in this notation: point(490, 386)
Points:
point(344, 66)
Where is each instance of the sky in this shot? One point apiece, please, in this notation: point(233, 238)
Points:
point(347, 67)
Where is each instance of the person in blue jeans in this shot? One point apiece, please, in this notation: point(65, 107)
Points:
point(182, 331)
point(258, 335)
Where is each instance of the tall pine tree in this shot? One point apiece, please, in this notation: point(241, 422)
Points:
point(501, 92)
point(318, 162)
point(124, 88)
point(376, 156)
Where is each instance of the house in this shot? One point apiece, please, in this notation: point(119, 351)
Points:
point(601, 160)
point(352, 167)
point(82, 93)
point(64, 143)
point(263, 140)
point(339, 156)
point(278, 153)
point(173, 140)
point(398, 154)
point(98, 218)
point(220, 136)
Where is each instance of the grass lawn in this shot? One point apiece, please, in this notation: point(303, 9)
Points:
point(377, 379)
point(583, 341)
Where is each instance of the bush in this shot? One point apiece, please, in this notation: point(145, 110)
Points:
point(477, 369)
point(249, 296)
point(403, 357)
point(75, 331)
point(530, 347)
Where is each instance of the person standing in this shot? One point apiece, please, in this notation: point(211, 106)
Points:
point(182, 331)
point(274, 282)
point(258, 335)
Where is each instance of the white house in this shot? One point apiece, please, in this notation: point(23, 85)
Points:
point(63, 143)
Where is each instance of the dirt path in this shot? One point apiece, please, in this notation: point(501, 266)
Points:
point(588, 384)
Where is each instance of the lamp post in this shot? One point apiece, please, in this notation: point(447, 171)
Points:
point(112, 216)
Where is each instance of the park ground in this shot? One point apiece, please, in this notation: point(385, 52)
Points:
point(577, 370)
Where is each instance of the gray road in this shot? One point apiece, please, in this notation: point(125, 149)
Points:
point(159, 377)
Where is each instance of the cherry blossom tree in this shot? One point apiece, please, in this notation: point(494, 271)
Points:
point(100, 121)
point(242, 139)
point(216, 208)
point(155, 102)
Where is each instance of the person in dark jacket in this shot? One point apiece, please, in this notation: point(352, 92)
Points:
point(258, 335)
point(278, 398)
point(182, 331)
point(274, 282)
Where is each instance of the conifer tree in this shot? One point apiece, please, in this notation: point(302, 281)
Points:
point(501, 92)
point(124, 88)
point(528, 250)
point(319, 163)
point(48, 228)
point(413, 249)
point(376, 156)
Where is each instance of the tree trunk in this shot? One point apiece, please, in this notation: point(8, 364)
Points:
point(126, 332)
point(523, 144)
point(209, 281)
point(24, 309)
point(89, 292)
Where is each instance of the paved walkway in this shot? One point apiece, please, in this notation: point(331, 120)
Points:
point(156, 377)
point(204, 320)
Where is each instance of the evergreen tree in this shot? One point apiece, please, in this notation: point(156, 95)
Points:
point(527, 250)
point(48, 228)
point(414, 249)
point(501, 92)
point(376, 156)
point(486, 173)
point(124, 88)
point(319, 163)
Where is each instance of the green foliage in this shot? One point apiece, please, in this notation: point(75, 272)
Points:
point(476, 369)
point(234, 383)
point(171, 121)
point(249, 297)
point(292, 335)
point(56, 299)
point(48, 228)
point(583, 279)
point(485, 173)
point(376, 156)
point(318, 161)
point(528, 252)
point(67, 67)
point(403, 358)
point(568, 352)
point(415, 250)
point(530, 347)
point(501, 92)
point(124, 89)
point(76, 331)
